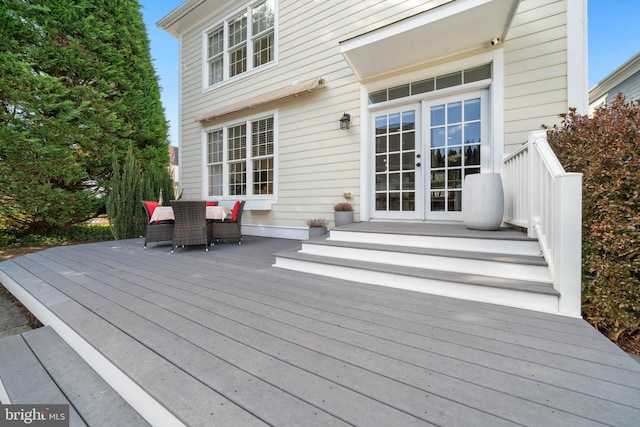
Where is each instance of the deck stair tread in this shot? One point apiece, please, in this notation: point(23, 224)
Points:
point(453, 230)
point(425, 273)
point(483, 256)
point(38, 367)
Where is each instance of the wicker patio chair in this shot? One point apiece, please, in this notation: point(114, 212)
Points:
point(161, 231)
point(229, 230)
point(191, 224)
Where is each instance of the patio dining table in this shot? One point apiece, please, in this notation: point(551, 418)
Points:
point(162, 213)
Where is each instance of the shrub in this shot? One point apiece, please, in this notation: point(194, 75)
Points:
point(605, 147)
point(129, 186)
point(75, 234)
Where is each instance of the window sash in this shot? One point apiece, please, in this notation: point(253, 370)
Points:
point(241, 43)
point(240, 159)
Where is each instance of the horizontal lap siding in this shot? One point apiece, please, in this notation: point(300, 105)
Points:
point(317, 162)
point(535, 84)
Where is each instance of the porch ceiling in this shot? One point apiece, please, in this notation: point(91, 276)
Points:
point(452, 28)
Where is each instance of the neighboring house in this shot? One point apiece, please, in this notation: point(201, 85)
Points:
point(295, 106)
point(625, 79)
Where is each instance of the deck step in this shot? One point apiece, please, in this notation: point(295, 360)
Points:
point(502, 267)
point(521, 267)
point(539, 296)
point(38, 367)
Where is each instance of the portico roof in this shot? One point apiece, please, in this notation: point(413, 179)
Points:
point(455, 27)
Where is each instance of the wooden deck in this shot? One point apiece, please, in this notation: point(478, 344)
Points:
point(222, 338)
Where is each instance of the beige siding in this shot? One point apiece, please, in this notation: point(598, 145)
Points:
point(317, 161)
point(535, 59)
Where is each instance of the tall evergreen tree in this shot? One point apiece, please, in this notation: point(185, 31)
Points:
point(77, 85)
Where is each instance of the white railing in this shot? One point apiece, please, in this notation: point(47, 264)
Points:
point(541, 197)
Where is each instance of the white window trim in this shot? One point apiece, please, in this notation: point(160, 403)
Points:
point(496, 109)
point(258, 201)
point(250, 70)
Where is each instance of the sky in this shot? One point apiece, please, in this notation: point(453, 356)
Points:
point(613, 39)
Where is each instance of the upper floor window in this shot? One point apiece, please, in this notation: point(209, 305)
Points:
point(241, 43)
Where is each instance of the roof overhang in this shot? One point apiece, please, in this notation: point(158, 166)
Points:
point(452, 28)
point(183, 16)
point(294, 89)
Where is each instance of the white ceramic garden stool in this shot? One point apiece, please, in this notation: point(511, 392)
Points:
point(482, 201)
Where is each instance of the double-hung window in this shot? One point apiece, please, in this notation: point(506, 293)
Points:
point(240, 159)
point(241, 43)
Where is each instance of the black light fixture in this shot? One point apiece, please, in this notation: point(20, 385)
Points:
point(344, 121)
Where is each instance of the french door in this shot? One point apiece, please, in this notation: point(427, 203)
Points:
point(423, 152)
point(397, 178)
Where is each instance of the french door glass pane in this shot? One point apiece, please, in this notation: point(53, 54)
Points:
point(395, 143)
point(455, 129)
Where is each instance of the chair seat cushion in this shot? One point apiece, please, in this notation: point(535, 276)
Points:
point(151, 206)
point(234, 212)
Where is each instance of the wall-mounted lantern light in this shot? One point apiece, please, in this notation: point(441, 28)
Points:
point(344, 121)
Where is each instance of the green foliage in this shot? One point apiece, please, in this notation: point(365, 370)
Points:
point(130, 185)
point(125, 189)
point(70, 100)
point(75, 234)
point(606, 149)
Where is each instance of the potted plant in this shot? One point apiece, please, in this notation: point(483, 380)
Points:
point(317, 227)
point(343, 213)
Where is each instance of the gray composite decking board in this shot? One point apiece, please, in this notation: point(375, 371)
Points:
point(403, 399)
point(408, 375)
point(26, 381)
point(446, 276)
point(259, 301)
point(534, 330)
point(289, 409)
point(196, 404)
point(96, 402)
point(483, 256)
point(300, 378)
point(544, 354)
point(468, 383)
point(596, 405)
point(552, 316)
point(622, 394)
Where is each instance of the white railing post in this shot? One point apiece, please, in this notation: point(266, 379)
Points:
point(568, 243)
